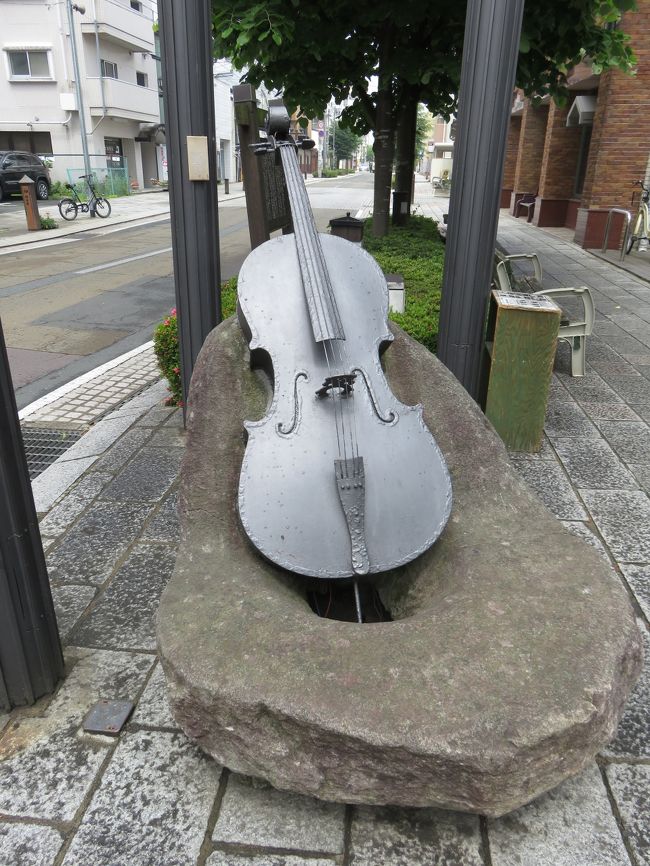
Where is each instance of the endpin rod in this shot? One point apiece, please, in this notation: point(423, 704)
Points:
point(357, 601)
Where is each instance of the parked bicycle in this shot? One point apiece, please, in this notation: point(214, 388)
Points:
point(640, 229)
point(70, 207)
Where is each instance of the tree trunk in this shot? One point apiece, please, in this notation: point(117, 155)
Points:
point(404, 162)
point(384, 149)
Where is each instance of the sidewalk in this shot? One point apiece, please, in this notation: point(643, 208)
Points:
point(149, 798)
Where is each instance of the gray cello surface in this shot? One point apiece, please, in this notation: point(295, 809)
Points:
point(289, 503)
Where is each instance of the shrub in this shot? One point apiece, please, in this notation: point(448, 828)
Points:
point(58, 190)
point(417, 253)
point(48, 223)
point(165, 342)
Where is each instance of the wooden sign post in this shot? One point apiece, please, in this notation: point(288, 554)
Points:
point(266, 193)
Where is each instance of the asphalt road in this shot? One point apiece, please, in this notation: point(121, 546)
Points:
point(70, 307)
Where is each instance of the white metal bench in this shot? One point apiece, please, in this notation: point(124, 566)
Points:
point(573, 332)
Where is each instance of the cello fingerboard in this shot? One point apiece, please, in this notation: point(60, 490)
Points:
point(323, 312)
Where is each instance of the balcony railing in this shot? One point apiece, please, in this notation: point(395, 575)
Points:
point(121, 24)
point(123, 99)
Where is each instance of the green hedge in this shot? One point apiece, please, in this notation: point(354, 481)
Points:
point(417, 253)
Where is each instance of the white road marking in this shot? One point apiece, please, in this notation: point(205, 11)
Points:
point(117, 262)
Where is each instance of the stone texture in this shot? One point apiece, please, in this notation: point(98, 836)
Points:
point(550, 483)
point(153, 707)
point(630, 439)
point(582, 530)
point(631, 789)
point(622, 518)
point(74, 503)
point(164, 525)
point(55, 480)
point(46, 767)
point(106, 530)
point(123, 450)
point(28, 845)
point(505, 670)
point(147, 477)
point(638, 577)
point(570, 826)
point(219, 858)
point(253, 813)
point(401, 837)
point(151, 808)
point(595, 467)
point(70, 602)
point(567, 419)
point(633, 735)
point(123, 615)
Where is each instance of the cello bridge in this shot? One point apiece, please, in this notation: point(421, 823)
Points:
point(341, 382)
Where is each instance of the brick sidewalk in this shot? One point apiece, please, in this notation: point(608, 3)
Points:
point(149, 798)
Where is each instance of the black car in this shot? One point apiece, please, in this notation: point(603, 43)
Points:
point(15, 164)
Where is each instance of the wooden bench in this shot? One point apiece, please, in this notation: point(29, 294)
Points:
point(573, 331)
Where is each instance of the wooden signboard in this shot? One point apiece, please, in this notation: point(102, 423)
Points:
point(521, 339)
point(266, 193)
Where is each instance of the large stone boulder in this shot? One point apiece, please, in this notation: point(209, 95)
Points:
point(512, 651)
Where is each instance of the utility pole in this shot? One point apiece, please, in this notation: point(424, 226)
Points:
point(490, 52)
point(77, 81)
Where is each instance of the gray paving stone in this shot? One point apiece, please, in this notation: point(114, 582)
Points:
point(98, 438)
point(153, 707)
point(609, 411)
point(71, 506)
point(176, 420)
point(168, 436)
point(638, 577)
point(123, 450)
point(70, 602)
point(567, 419)
point(582, 530)
point(630, 786)
point(550, 483)
point(97, 541)
point(593, 465)
point(414, 837)
point(147, 477)
point(123, 616)
point(28, 845)
point(545, 452)
point(46, 766)
point(590, 388)
point(642, 409)
point(55, 480)
point(254, 813)
point(622, 518)
point(152, 806)
point(572, 825)
point(219, 858)
point(157, 415)
point(641, 472)
point(164, 525)
point(141, 403)
point(633, 389)
point(633, 735)
point(630, 439)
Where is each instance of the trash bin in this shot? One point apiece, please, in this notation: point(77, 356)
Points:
point(347, 227)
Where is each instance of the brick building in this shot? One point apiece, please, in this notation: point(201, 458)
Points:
point(581, 159)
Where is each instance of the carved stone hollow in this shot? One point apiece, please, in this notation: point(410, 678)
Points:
point(512, 652)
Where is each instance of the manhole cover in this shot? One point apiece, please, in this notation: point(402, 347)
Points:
point(43, 445)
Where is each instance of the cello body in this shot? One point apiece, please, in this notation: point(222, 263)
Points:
point(296, 502)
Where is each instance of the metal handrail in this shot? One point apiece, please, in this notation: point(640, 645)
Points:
point(628, 219)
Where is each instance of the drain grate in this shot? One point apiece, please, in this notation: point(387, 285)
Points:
point(44, 444)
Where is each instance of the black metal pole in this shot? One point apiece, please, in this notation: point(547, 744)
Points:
point(492, 32)
point(31, 661)
point(186, 51)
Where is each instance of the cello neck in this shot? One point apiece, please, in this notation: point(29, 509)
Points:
point(323, 312)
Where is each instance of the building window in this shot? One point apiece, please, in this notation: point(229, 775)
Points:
point(109, 69)
point(27, 64)
point(136, 5)
point(141, 79)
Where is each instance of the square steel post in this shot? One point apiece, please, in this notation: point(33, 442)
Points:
point(31, 662)
point(490, 51)
point(186, 49)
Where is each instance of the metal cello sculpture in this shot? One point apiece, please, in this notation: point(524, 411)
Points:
point(339, 479)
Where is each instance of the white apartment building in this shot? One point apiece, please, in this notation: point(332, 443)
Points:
point(39, 111)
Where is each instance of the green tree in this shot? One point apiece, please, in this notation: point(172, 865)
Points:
point(412, 50)
point(346, 142)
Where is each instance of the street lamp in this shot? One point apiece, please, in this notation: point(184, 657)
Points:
point(77, 80)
